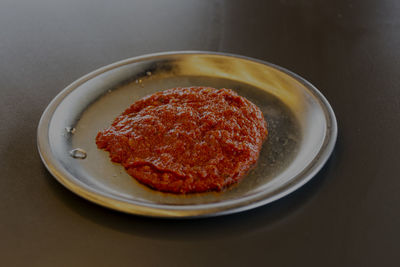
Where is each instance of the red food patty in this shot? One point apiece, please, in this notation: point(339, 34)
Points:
point(187, 140)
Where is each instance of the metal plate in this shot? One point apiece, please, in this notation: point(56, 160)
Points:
point(302, 131)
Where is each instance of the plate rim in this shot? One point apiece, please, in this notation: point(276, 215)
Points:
point(191, 210)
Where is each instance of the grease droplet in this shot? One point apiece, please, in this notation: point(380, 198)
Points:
point(70, 130)
point(283, 141)
point(78, 153)
point(148, 73)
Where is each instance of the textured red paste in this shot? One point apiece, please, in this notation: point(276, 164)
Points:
point(187, 140)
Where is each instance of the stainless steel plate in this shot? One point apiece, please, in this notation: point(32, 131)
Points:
point(302, 131)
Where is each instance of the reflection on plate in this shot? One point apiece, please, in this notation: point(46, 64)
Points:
point(301, 124)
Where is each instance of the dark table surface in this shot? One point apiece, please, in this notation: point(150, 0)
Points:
point(348, 215)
